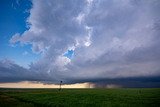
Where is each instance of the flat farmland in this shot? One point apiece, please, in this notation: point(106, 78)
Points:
point(123, 97)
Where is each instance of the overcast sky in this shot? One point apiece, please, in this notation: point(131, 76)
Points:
point(77, 41)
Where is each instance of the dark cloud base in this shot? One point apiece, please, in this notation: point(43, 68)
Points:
point(130, 82)
point(11, 72)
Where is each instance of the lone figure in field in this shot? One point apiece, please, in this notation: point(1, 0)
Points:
point(60, 88)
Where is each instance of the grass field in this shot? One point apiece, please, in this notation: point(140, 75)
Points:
point(80, 97)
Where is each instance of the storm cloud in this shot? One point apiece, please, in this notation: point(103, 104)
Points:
point(111, 40)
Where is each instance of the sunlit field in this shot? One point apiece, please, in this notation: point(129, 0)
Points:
point(80, 97)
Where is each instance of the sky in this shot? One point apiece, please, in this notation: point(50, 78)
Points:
point(106, 43)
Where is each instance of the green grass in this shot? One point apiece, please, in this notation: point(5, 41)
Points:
point(80, 97)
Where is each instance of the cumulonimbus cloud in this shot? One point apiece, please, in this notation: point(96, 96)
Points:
point(110, 39)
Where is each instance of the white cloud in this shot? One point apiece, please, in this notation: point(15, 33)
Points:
point(60, 62)
point(110, 38)
point(15, 38)
point(80, 18)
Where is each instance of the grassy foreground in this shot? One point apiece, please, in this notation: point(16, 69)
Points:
point(80, 97)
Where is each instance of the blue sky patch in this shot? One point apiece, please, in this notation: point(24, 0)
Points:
point(14, 14)
point(69, 54)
